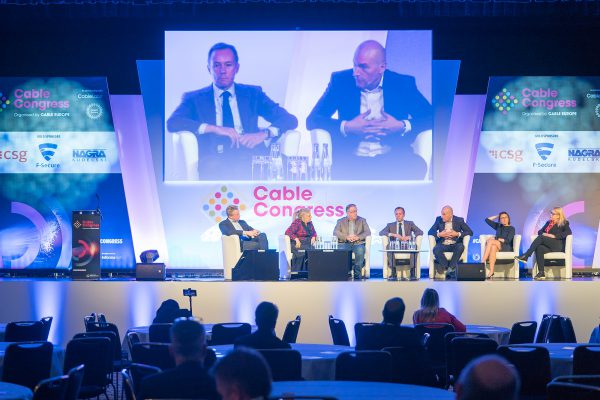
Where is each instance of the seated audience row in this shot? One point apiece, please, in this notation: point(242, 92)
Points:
point(243, 374)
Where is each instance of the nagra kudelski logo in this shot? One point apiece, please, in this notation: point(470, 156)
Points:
point(4, 101)
point(504, 101)
point(544, 150)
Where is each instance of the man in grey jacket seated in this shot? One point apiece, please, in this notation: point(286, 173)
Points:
point(352, 232)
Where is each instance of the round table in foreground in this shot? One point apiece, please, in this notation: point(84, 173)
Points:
point(498, 333)
point(10, 391)
point(346, 390)
point(561, 356)
point(318, 360)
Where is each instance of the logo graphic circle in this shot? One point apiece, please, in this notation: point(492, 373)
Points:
point(4, 101)
point(94, 111)
point(504, 101)
point(217, 204)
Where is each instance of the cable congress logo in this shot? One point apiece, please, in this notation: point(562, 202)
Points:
point(504, 101)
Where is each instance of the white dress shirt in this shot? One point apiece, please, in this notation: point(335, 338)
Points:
point(372, 100)
point(235, 111)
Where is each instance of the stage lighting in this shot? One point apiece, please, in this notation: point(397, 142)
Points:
point(149, 256)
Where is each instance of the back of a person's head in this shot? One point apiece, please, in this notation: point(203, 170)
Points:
point(169, 304)
point(393, 311)
point(430, 299)
point(488, 378)
point(188, 339)
point(266, 315)
point(245, 372)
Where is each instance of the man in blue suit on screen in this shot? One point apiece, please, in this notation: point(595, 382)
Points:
point(449, 231)
point(250, 238)
point(224, 116)
point(379, 114)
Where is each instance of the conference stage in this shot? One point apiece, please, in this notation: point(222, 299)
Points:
point(130, 303)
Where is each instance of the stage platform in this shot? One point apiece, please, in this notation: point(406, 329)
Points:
point(129, 303)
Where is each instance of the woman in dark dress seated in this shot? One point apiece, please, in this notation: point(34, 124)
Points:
point(502, 241)
point(303, 236)
point(551, 238)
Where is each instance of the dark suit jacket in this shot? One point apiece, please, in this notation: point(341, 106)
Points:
point(401, 99)
point(378, 336)
point(561, 232)
point(215, 153)
point(227, 228)
point(198, 107)
point(503, 232)
point(458, 224)
point(186, 381)
point(409, 227)
point(262, 339)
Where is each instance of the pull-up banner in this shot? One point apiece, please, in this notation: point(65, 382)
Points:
point(540, 148)
point(58, 153)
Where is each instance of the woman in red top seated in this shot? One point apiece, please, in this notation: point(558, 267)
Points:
point(551, 237)
point(431, 312)
point(302, 236)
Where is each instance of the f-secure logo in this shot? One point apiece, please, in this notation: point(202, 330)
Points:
point(48, 150)
point(544, 150)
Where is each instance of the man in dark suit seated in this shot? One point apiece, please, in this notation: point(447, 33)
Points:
point(243, 374)
point(402, 230)
point(224, 116)
point(379, 114)
point(264, 338)
point(449, 231)
point(250, 238)
point(189, 379)
point(389, 333)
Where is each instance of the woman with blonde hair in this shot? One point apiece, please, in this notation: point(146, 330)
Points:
point(551, 237)
point(430, 311)
point(303, 235)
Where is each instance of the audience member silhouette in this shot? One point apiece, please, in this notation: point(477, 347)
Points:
point(243, 374)
point(488, 378)
point(189, 379)
point(264, 338)
point(169, 311)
